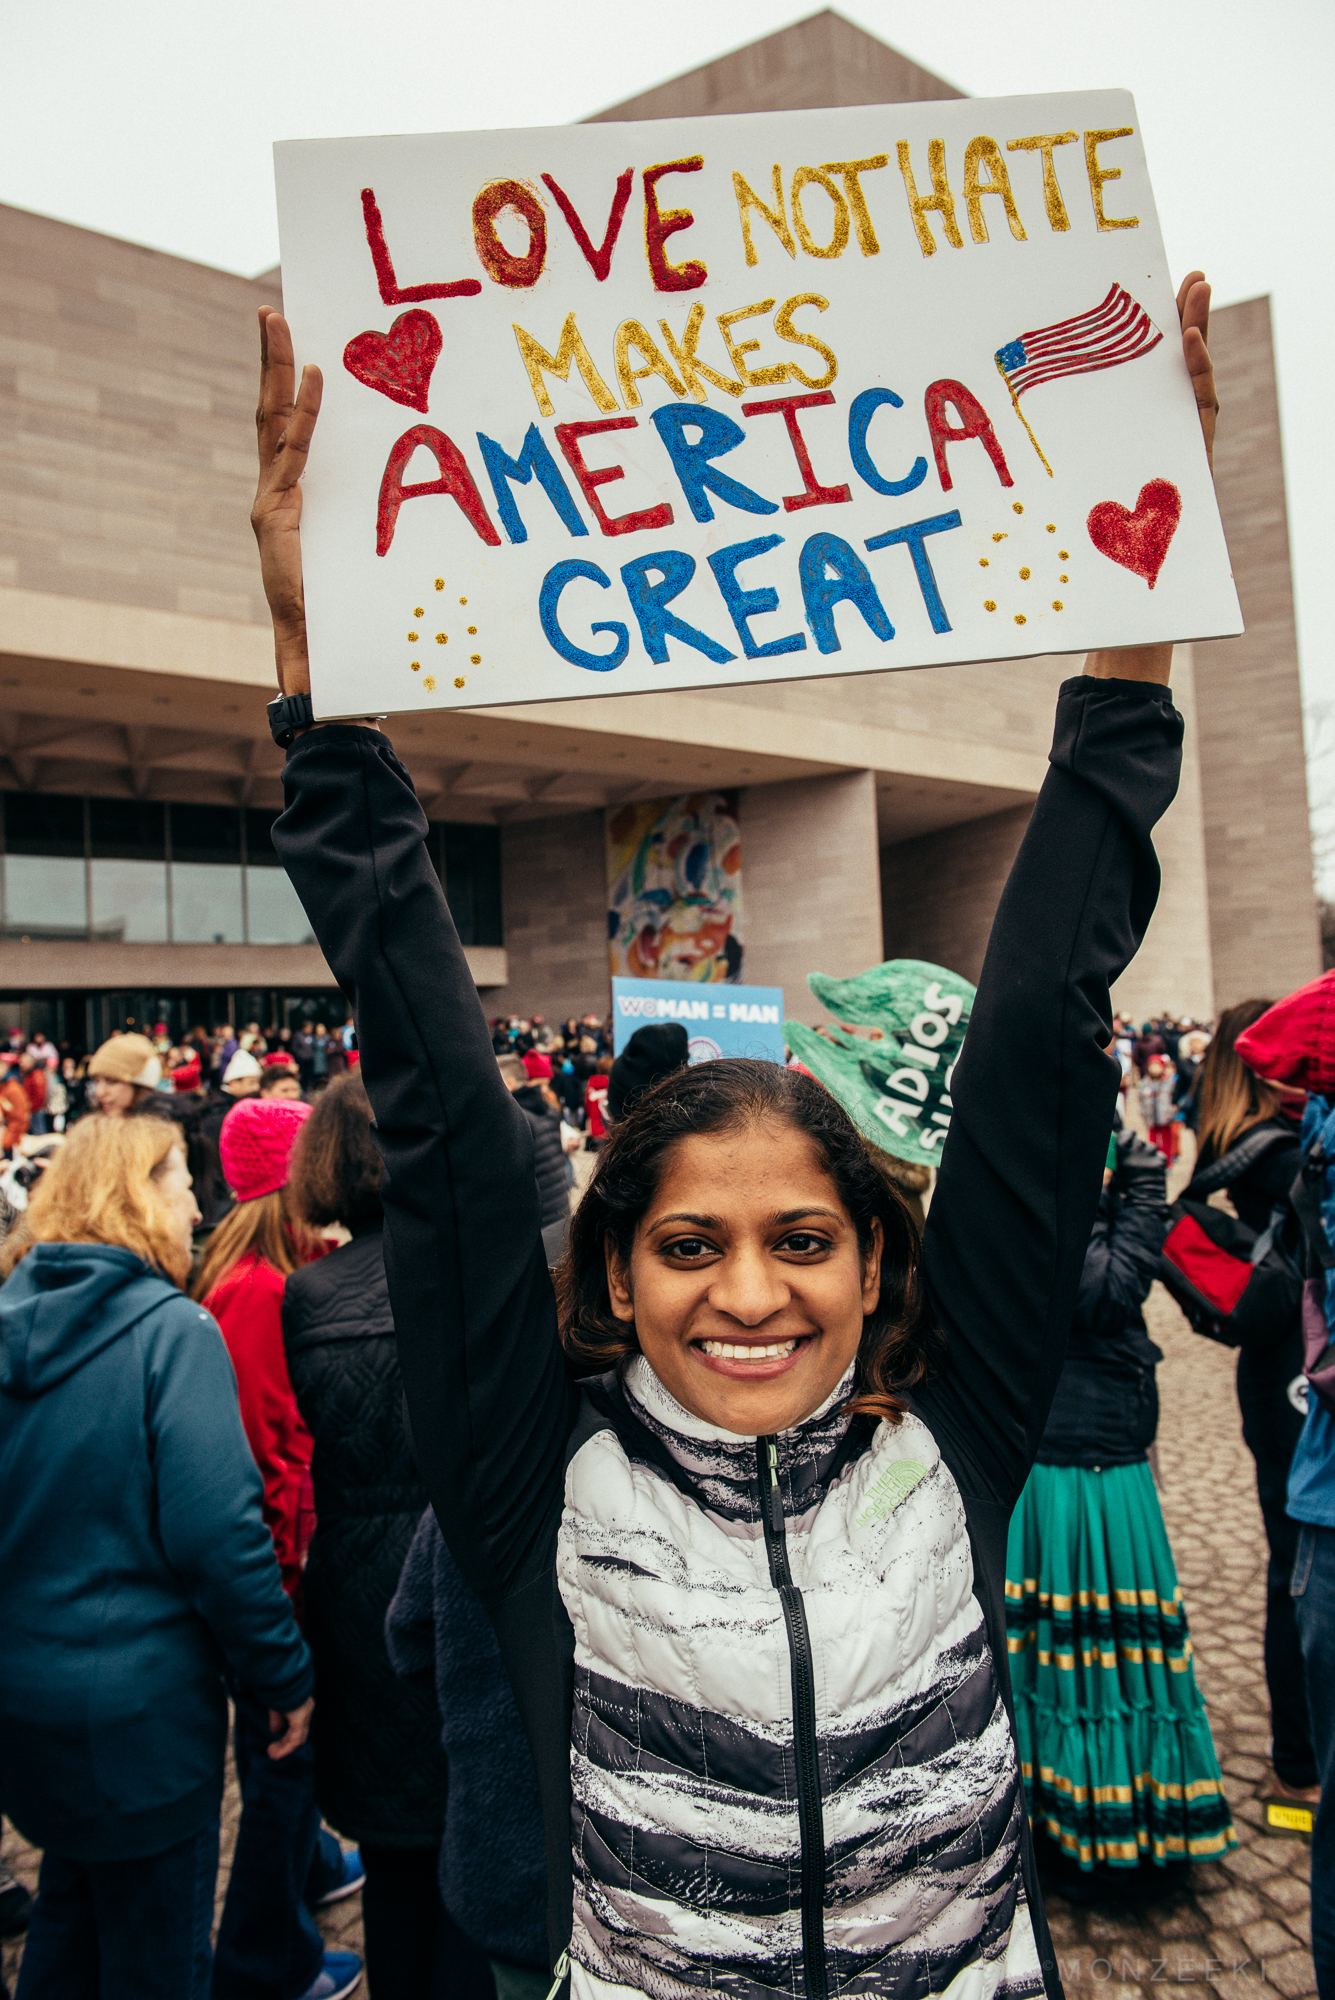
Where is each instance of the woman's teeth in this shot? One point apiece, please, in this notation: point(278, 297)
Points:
point(723, 1350)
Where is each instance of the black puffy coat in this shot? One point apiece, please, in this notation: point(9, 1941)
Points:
point(549, 1160)
point(379, 1767)
point(1106, 1409)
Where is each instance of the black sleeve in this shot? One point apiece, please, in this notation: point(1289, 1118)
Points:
point(1120, 1266)
point(474, 1311)
point(1034, 1092)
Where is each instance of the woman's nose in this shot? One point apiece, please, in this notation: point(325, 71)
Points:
point(749, 1287)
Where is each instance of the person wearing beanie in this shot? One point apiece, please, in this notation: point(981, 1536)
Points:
point(1292, 1047)
point(652, 1053)
point(128, 1070)
point(267, 1942)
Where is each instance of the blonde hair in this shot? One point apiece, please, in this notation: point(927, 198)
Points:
point(102, 1187)
point(1231, 1098)
point(267, 1225)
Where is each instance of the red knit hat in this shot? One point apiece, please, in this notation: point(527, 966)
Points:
point(1294, 1041)
point(256, 1144)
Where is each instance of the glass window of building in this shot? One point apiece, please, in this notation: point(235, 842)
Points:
point(468, 861)
point(45, 880)
point(276, 915)
point(206, 875)
point(128, 870)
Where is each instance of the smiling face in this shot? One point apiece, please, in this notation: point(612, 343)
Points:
point(746, 1284)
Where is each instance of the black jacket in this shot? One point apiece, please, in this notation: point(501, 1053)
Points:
point(1255, 1193)
point(379, 1768)
point(549, 1160)
point(493, 1864)
point(493, 1409)
point(1106, 1409)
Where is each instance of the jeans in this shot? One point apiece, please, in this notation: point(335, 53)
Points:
point(1314, 1602)
point(123, 1930)
point(414, 1948)
point(1270, 1427)
point(268, 1946)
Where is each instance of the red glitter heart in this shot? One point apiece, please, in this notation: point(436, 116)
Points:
point(1138, 541)
point(397, 363)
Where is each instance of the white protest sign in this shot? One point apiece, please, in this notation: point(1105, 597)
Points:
point(611, 408)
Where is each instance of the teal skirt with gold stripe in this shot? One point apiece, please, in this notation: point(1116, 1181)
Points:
point(1115, 1749)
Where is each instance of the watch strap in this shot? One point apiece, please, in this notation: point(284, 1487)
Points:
point(287, 714)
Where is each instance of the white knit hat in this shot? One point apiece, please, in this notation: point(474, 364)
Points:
point(242, 1064)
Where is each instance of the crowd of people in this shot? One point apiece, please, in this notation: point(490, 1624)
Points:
point(726, 1578)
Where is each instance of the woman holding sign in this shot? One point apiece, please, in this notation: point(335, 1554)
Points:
point(747, 1575)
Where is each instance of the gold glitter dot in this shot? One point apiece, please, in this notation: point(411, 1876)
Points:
point(472, 631)
point(989, 604)
point(1020, 618)
point(1063, 555)
point(416, 666)
point(463, 600)
point(459, 680)
point(441, 638)
point(420, 612)
point(440, 583)
point(476, 658)
point(1063, 578)
point(412, 638)
point(982, 562)
point(1024, 576)
point(1016, 508)
point(1052, 527)
point(1056, 604)
point(429, 683)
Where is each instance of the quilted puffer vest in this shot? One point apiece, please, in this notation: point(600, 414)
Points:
point(792, 1768)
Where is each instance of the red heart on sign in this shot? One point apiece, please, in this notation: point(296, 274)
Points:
point(1138, 541)
point(397, 363)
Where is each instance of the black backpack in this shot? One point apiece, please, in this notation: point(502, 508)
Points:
point(1233, 1285)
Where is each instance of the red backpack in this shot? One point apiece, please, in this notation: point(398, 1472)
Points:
point(1234, 1285)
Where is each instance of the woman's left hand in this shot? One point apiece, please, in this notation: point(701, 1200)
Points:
point(1154, 663)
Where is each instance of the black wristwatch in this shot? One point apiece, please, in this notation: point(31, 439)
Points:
point(287, 714)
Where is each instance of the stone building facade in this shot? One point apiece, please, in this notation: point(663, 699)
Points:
point(879, 812)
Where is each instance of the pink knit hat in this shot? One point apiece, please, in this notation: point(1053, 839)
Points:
point(256, 1144)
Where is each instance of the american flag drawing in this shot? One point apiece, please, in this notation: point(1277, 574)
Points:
point(1114, 331)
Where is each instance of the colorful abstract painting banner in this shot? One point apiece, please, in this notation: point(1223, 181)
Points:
point(686, 403)
point(674, 889)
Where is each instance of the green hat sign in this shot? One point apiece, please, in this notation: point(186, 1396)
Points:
point(896, 1087)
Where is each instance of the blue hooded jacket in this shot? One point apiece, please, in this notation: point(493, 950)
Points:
point(134, 1561)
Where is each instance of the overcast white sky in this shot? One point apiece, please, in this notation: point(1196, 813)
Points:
point(153, 119)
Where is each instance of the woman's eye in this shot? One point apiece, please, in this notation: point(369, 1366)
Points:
point(804, 1243)
point(684, 1248)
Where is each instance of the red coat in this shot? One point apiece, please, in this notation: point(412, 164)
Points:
point(247, 1305)
point(15, 1110)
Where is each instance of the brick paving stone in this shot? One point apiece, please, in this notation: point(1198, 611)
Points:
point(1294, 1975)
point(1291, 1892)
point(1267, 1939)
point(1162, 1949)
point(1232, 1906)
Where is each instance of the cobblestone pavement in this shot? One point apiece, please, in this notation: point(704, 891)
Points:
point(1241, 1928)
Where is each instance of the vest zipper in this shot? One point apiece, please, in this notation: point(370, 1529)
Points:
point(810, 1819)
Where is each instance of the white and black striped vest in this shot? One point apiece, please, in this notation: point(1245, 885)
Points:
point(792, 1768)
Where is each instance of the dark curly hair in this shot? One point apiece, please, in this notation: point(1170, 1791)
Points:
point(718, 1096)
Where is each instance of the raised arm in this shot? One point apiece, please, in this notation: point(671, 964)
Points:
point(473, 1304)
point(487, 1394)
point(1033, 1089)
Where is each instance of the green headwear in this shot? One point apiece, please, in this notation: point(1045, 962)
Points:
point(896, 1090)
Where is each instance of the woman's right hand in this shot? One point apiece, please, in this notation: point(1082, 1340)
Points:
point(285, 424)
point(295, 1726)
